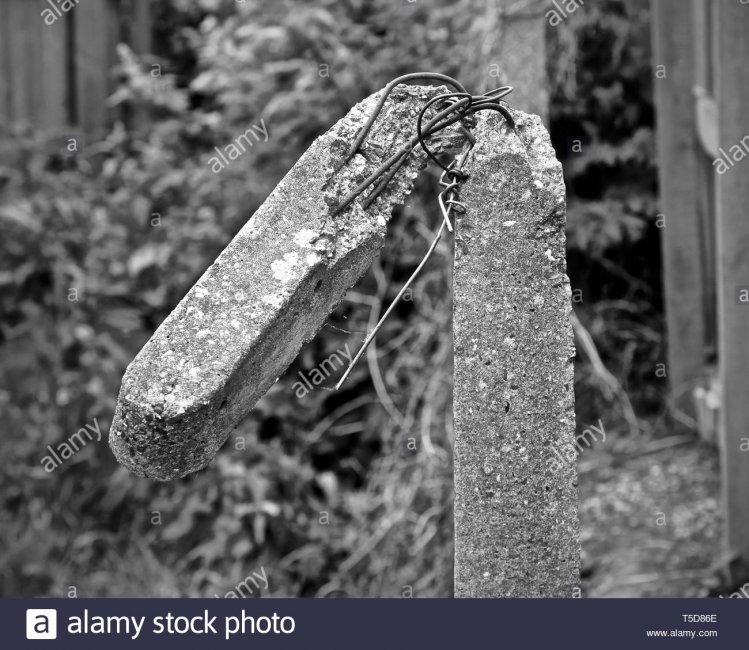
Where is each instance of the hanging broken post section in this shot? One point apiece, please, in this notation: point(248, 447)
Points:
point(244, 321)
point(271, 289)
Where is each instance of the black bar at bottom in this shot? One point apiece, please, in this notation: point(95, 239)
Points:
point(380, 624)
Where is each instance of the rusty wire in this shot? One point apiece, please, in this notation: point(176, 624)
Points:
point(454, 107)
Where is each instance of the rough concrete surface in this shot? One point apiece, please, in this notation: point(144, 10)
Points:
point(269, 292)
point(516, 524)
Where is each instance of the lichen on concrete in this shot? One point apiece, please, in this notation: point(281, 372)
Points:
point(516, 526)
point(269, 291)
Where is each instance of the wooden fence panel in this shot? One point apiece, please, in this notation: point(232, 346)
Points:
point(51, 98)
point(56, 78)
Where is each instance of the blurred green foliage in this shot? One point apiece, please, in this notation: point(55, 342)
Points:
point(602, 127)
point(99, 245)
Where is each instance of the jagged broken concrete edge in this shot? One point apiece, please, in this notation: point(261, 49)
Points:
point(244, 321)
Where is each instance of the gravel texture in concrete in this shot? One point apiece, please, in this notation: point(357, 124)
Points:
point(516, 522)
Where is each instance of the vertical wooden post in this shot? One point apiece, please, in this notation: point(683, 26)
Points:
point(92, 47)
point(516, 526)
point(703, 17)
point(732, 76)
point(140, 26)
point(17, 68)
point(51, 79)
point(4, 69)
point(681, 189)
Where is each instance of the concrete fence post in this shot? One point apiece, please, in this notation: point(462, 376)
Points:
point(271, 289)
point(516, 526)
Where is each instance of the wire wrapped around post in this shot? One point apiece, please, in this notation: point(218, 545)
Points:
point(455, 107)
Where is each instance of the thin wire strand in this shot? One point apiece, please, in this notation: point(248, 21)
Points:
point(461, 107)
point(373, 333)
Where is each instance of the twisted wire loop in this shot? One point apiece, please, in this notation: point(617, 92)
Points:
point(457, 107)
point(448, 198)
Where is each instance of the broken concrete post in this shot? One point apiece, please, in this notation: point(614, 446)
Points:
point(269, 291)
point(516, 526)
